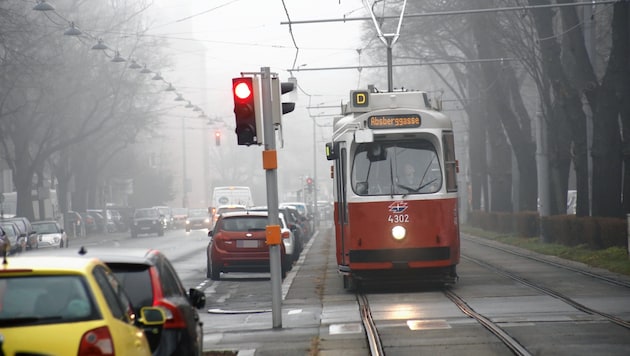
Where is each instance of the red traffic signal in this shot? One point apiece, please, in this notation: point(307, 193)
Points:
point(217, 138)
point(245, 110)
point(242, 89)
point(309, 180)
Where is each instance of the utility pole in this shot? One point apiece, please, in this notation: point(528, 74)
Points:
point(270, 164)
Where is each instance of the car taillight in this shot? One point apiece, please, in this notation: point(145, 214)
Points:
point(286, 235)
point(174, 318)
point(97, 342)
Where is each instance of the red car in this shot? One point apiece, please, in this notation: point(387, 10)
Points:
point(238, 244)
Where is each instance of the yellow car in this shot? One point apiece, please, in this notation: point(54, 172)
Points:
point(69, 306)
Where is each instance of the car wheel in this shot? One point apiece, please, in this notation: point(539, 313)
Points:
point(208, 269)
point(215, 272)
point(288, 263)
point(61, 244)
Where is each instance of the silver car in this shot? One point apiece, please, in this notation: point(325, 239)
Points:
point(50, 234)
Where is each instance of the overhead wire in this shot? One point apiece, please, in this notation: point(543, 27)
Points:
point(297, 49)
point(86, 34)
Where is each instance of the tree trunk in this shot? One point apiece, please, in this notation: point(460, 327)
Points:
point(567, 97)
point(477, 149)
point(607, 154)
point(624, 104)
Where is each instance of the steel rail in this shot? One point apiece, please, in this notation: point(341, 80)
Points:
point(509, 341)
point(547, 261)
point(551, 292)
point(374, 341)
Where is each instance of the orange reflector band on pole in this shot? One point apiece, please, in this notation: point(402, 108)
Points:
point(274, 237)
point(270, 159)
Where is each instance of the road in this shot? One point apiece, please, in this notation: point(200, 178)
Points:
point(504, 303)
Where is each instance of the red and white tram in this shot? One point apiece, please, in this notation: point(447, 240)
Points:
point(395, 191)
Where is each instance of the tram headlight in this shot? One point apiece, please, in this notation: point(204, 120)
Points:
point(399, 232)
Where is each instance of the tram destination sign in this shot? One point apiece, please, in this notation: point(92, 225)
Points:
point(394, 121)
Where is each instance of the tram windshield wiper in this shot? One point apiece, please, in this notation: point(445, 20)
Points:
point(391, 178)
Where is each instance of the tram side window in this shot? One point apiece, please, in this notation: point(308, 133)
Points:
point(450, 163)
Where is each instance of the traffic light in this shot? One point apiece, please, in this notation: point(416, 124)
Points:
point(247, 110)
point(309, 184)
point(217, 137)
point(279, 107)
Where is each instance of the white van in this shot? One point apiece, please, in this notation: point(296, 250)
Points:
point(232, 196)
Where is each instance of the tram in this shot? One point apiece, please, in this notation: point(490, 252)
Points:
point(395, 189)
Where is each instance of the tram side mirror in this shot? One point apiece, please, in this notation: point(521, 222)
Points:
point(332, 150)
point(376, 152)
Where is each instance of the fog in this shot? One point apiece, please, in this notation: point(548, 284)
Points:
point(212, 42)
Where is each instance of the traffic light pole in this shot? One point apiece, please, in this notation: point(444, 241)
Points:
point(270, 166)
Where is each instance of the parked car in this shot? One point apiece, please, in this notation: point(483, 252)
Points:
point(89, 223)
point(149, 279)
point(50, 234)
point(73, 224)
point(114, 221)
point(147, 221)
point(26, 229)
point(100, 219)
point(224, 209)
point(69, 306)
point(238, 244)
point(292, 245)
point(179, 217)
point(296, 224)
point(17, 241)
point(197, 219)
point(305, 216)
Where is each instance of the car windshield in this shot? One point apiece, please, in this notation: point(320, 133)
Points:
point(46, 228)
point(197, 212)
point(44, 299)
point(225, 209)
point(163, 211)
point(180, 211)
point(9, 230)
point(20, 224)
point(244, 223)
point(146, 213)
point(301, 208)
point(136, 282)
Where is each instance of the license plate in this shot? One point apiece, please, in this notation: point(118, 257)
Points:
point(247, 243)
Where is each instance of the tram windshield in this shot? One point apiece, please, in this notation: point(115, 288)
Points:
point(396, 167)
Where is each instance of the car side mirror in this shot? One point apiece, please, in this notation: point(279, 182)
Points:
point(152, 316)
point(197, 298)
point(209, 233)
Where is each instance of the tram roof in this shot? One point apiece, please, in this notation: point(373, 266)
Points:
point(362, 101)
point(364, 104)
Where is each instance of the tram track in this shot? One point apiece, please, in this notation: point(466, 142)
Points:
point(516, 346)
point(547, 261)
point(491, 326)
point(371, 332)
point(376, 346)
